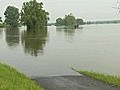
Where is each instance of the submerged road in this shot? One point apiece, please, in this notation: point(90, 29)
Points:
point(74, 82)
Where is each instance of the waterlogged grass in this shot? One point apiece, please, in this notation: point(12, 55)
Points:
point(113, 80)
point(10, 79)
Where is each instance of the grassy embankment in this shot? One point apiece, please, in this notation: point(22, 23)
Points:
point(109, 79)
point(10, 79)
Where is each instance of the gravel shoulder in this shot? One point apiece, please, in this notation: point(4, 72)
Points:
point(72, 82)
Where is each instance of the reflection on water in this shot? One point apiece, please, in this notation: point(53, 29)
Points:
point(34, 41)
point(68, 31)
point(95, 47)
point(1, 31)
point(12, 36)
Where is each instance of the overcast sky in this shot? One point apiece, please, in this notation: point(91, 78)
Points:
point(86, 9)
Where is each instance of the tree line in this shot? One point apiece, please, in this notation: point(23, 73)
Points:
point(32, 15)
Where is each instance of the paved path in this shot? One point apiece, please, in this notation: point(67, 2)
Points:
point(77, 82)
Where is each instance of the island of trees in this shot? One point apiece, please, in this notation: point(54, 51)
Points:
point(69, 21)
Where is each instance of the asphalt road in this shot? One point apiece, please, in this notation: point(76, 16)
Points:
point(74, 82)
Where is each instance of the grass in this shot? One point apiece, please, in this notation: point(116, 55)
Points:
point(109, 79)
point(10, 79)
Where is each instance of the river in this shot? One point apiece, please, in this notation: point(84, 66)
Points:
point(55, 50)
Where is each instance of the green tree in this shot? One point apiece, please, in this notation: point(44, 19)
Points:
point(0, 19)
point(70, 20)
point(12, 16)
point(33, 15)
point(1, 24)
point(60, 22)
point(79, 21)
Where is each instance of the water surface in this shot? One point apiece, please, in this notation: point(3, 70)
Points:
point(56, 50)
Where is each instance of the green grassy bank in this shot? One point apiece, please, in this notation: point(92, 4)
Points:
point(113, 80)
point(10, 79)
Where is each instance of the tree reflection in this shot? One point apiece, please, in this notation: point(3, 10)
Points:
point(34, 41)
point(1, 32)
point(69, 32)
point(12, 36)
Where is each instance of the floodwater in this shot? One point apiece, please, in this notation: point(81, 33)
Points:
point(55, 50)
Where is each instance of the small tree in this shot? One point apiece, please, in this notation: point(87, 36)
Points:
point(33, 15)
point(117, 7)
point(59, 22)
point(79, 21)
point(69, 20)
point(12, 16)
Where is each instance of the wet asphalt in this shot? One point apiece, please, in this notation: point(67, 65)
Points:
point(72, 82)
